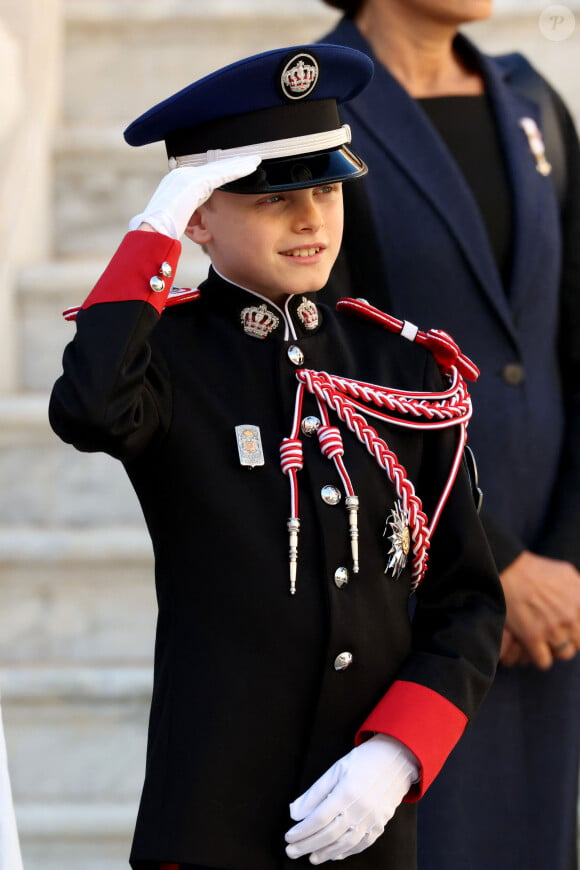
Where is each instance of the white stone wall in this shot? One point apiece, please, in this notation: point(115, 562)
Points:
point(30, 56)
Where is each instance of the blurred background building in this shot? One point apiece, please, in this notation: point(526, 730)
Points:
point(77, 607)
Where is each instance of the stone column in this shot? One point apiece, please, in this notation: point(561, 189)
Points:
point(30, 71)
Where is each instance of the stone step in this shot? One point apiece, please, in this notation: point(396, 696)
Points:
point(82, 596)
point(122, 56)
point(92, 208)
point(48, 485)
point(46, 289)
point(91, 837)
point(76, 741)
point(100, 182)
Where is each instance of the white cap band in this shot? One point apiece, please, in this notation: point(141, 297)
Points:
point(270, 150)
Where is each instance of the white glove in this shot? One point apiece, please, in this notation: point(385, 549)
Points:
point(348, 807)
point(184, 189)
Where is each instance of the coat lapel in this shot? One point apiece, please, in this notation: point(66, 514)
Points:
point(399, 127)
point(533, 195)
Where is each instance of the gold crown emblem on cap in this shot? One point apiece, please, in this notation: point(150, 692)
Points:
point(258, 321)
point(299, 76)
point(308, 314)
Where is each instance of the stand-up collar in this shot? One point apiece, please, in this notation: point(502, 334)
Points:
point(257, 316)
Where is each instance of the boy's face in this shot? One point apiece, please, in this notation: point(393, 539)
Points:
point(275, 244)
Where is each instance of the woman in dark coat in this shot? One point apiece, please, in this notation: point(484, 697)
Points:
point(476, 235)
point(292, 502)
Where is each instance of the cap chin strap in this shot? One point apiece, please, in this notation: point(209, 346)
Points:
point(270, 150)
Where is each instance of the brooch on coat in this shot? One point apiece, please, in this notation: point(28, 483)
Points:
point(536, 143)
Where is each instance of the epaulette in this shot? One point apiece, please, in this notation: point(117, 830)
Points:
point(446, 352)
point(176, 296)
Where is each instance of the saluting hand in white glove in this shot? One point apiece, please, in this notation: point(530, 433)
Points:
point(184, 189)
point(348, 807)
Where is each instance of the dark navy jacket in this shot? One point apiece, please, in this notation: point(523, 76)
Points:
point(438, 269)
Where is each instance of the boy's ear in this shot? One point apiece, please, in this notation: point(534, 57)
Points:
point(196, 229)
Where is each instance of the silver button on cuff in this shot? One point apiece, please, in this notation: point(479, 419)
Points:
point(340, 577)
point(295, 355)
point(166, 270)
point(330, 495)
point(157, 284)
point(343, 661)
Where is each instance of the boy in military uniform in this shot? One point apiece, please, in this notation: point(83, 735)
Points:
point(300, 472)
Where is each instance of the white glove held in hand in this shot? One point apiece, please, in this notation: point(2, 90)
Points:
point(184, 189)
point(348, 807)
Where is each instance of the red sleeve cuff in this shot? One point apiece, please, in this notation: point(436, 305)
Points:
point(142, 268)
point(424, 721)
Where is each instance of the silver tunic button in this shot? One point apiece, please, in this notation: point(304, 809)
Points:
point(295, 355)
point(341, 577)
point(166, 269)
point(343, 661)
point(157, 284)
point(310, 425)
point(330, 494)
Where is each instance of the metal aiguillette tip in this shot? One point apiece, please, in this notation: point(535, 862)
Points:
point(352, 505)
point(293, 529)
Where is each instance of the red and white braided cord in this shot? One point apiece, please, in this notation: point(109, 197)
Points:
point(330, 441)
point(440, 410)
point(291, 455)
point(427, 410)
point(321, 385)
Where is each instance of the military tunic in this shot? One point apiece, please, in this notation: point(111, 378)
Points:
point(251, 700)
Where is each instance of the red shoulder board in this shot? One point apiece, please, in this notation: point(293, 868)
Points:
point(176, 296)
point(444, 349)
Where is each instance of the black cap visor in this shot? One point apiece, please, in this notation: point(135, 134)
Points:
point(300, 171)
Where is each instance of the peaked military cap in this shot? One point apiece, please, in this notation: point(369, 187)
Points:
point(281, 105)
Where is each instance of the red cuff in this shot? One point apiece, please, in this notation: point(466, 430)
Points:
point(142, 262)
point(426, 722)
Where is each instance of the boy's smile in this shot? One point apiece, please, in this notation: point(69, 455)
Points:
point(303, 253)
point(275, 244)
